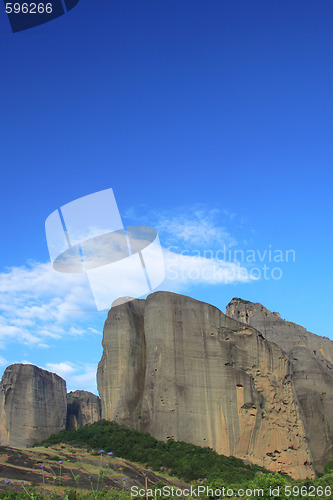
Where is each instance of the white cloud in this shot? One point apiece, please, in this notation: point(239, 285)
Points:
point(196, 240)
point(62, 369)
point(93, 330)
point(184, 270)
point(84, 380)
point(38, 304)
point(3, 361)
point(77, 376)
point(194, 226)
point(199, 229)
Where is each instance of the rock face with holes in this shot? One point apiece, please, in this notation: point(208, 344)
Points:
point(179, 368)
point(83, 408)
point(32, 405)
point(312, 360)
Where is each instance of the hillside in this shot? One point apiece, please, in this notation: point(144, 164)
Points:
point(80, 469)
point(185, 461)
point(72, 465)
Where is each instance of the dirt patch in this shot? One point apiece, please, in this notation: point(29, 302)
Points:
point(79, 469)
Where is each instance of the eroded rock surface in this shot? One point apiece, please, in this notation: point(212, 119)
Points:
point(312, 359)
point(32, 405)
point(121, 371)
point(179, 368)
point(83, 408)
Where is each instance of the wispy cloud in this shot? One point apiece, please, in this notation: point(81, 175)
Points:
point(195, 226)
point(200, 228)
point(93, 330)
point(62, 369)
point(3, 361)
point(78, 376)
point(39, 305)
point(184, 270)
point(193, 238)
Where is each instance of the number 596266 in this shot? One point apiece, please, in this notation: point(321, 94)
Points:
point(28, 8)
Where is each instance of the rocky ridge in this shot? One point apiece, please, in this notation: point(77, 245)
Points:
point(312, 360)
point(33, 405)
point(179, 368)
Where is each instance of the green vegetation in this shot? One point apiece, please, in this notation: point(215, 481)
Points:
point(329, 467)
point(242, 301)
point(185, 461)
point(69, 494)
point(264, 486)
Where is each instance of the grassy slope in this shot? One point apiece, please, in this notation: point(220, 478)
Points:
point(80, 469)
point(186, 461)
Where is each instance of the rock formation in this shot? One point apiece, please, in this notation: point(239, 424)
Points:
point(82, 408)
point(312, 359)
point(179, 368)
point(32, 405)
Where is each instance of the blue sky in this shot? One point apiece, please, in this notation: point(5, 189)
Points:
point(211, 121)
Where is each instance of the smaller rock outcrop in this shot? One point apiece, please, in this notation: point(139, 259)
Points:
point(32, 405)
point(83, 408)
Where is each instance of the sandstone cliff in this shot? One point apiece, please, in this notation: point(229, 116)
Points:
point(179, 368)
point(32, 405)
point(82, 408)
point(312, 358)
